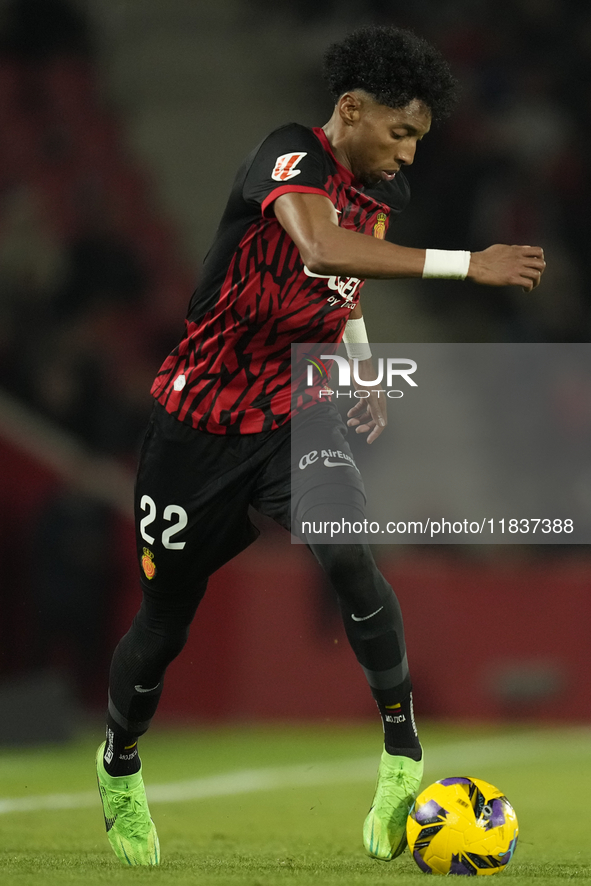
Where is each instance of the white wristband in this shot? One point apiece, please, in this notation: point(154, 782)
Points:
point(356, 341)
point(447, 264)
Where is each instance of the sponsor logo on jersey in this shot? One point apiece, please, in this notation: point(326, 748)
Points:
point(285, 166)
point(346, 287)
point(379, 229)
point(148, 564)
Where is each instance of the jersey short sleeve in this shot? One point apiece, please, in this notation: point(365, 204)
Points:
point(289, 159)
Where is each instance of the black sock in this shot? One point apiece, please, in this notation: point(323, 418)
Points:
point(373, 623)
point(120, 756)
point(400, 733)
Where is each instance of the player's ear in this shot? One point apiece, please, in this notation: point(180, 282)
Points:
point(349, 106)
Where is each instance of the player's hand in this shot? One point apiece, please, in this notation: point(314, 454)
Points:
point(501, 265)
point(369, 415)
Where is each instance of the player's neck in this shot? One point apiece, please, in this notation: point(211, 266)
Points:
point(333, 131)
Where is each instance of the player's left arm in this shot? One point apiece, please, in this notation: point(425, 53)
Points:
point(369, 415)
point(327, 248)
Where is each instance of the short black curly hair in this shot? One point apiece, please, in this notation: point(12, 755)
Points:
point(394, 66)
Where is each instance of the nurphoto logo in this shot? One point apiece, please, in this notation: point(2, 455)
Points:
point(389, 371)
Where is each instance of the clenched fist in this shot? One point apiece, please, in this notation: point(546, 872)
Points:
point(502, 265)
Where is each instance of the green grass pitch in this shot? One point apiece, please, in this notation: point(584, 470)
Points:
point(265, 806)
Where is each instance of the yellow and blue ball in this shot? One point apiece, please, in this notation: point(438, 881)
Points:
point(462, 825)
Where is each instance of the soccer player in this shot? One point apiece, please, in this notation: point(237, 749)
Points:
point(307, 219)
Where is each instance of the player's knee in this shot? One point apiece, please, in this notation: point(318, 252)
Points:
point(348, 563)
point(160, 643)
point(171, 643)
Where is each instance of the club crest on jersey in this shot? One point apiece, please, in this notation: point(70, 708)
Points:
point(285, 166)
point(379, 229)
point(148, 564)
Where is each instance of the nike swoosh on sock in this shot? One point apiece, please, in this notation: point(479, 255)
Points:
point(363, 618)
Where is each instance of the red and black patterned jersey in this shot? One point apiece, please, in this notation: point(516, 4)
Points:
point(231, 372)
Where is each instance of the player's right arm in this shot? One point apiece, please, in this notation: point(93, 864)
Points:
point(327, 249)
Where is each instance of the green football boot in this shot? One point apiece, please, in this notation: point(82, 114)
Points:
point(384, 831)
point(130, 829)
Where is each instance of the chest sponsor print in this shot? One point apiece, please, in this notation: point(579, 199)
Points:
point(346, 287)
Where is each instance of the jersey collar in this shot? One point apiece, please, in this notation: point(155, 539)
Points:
point(345, 173)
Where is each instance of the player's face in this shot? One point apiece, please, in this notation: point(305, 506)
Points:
point(382, 140)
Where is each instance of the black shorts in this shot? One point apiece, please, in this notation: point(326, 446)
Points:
point(194, 489)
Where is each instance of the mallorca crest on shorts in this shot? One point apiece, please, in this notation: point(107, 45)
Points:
point(148, 564)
